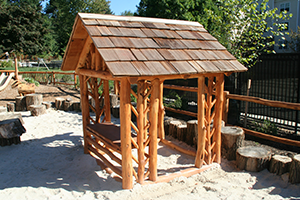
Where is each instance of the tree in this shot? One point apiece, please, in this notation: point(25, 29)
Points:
point(294, 42)
point(245, 27)
point(63, 12)
point(127, 13)
point(21, 27)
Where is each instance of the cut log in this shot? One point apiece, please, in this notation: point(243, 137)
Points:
point(10, 107)
point(173, 128)
point(232, 139)
point(59, 103)
point(181, 132)
point(115, 111)
point(20, 103)
point(67, 104)
point(280, 164)
point(294, 175)
point(114, 101)
point(76, 106)
point(36, 110)
point(192, 129)
point(33, 99)
point(11, 127)
point(167, 121)
point(47, 104)
point(26, 88)
point(252, 158)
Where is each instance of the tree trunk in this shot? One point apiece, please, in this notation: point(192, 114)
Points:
point(252, 158)
point(59, 103)
point(37, 110)
point(232, 139)
point(294, 176)
point(192, 129)
point(10, 107)
point(280, 164)
point(173, 128)
point(181, 132)
point(167, 124)
point(20, 103)
point(33, 99)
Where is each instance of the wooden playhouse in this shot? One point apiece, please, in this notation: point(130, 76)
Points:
point(145, 51)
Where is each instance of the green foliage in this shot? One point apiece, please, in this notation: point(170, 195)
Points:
point(6, 64)
point(127, 13)
point(21, 27)
point(266, 126)
point(66, 78)
point(294, 42)
point(31, 80)
point(175, 100)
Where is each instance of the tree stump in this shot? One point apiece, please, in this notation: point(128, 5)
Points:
point(20, 103)
point(33, 99)
point(115, 111)
point(280, 164)
point(181, 132)
point(173, 128)
point(114, 101)
point(232, 139)
point(36, 110)
point(167, 121)
point(252, 158)
point(68, 104)
point(76, 106)
point(192, 129)
point(47, 104)
point(59, 103)
point(3, 109)
point(10, 107)
point(294, 175)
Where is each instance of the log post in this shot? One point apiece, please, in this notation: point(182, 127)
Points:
point(192, 129)
point(33, 99)
point(59, 103)
point(16, 69)
point(20, 103)
point(280, 164)
point(252, 158)
point(140, 125)
point(161, 112)
point(181, 132)
point(36, 110)
point(10, 107)
point(75, 81)
point(53, 78)
point(67, 104)
point(106, 101)
point(232, 139)
point(218, 118)
point(294, 176)
point(125, 119)
point(167, 125)
point(225, 107)
point(153, 119)
point(201, 125)
point(173, 128)
point(85, 109)
point(97, 100)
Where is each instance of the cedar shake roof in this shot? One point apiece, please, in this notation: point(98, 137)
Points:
point(138, 46)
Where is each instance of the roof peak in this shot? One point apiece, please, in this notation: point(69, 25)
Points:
point(137, 19)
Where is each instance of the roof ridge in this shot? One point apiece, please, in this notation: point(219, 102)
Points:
point(138, 19)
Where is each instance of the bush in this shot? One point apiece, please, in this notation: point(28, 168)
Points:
point(7, 64)
point(266, 126)
point(31, 80)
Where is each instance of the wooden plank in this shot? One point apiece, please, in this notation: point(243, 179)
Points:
point(148, 32)
point(206, 36)
point(212, 53)
point(106, 101)
point(149, 25)
point(125, 54)
point(143, 69)
point(196, 66)
point(115, 31)
point(139, 55)
point(184, 112)
point(93, 30)
point(102, 42)
point(96, 74)
point(122, 69)
point(174, 54)
point(84, 52)
point(138, 43)
point(187, 35)
point(223, 56)
point(161, 111)
point(125, 118)
point(159, 33)
point(161, 26)
point(90, 22)
point(183, 67)
point(108, 55)
point(152, 54)
point(150, 43)
point(206, 45)
point(136, 24)
point(153, 119)
point(238, 65)
point(157, 68)
point(208, 66)
point(224, 66)
point(172, 34)
point(196, 54)
point(127, 32)
point(170, 43)
point(104, 31)
point(122, 42)
point(216, 45)
point(192, 44)
point(178, 148)
point(207, 55)
point(138, 32)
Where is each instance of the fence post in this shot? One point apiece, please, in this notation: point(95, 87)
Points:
point(225, 107)
point(53, 75)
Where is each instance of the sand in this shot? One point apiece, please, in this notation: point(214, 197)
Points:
point(50, 164)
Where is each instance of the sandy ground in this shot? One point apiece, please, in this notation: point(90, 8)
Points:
point(50, 164)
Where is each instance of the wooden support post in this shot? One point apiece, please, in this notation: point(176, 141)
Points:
point(16, 69)
point(218, 118)
point(153, 119)
point(75, 81)
point(201, 126)
point(85, 109)
point(125, 118)
point(97, 100)
point(161, 112)
point(225, 107)
point(106, 101)
point(141, 125)
point(116, 87)
point(53, 78)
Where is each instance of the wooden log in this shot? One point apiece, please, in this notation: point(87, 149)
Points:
point(173, 128)
point(161, 112)
point(47, 104)
point(181, 132)
point(167, 124)
point(106, 101)
point(33, 99)
point(178, 148)
point(11, 125)
point(294, 175)
point(10, 107)
point(59, 103)
point(24, 89)
point(20, 103)
point(67, 104)
point(36, 110)
point(125, 116)
point(114, 100)
point(192, 129)
point(232, 139)
point(280, 164)
point(251, 158)
point(76, 106)
point(115, 111)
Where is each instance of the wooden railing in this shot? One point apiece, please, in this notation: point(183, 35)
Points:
point(227, 96)
point(52, 73)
